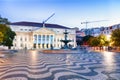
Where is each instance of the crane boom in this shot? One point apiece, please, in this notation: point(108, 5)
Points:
point(48, 18)
point(91, 22)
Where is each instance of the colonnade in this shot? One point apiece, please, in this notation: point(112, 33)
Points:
point(43, 41)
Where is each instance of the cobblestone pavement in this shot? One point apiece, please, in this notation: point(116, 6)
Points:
point(34, 65)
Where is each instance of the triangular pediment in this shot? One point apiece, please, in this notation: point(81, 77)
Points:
point(44, 31)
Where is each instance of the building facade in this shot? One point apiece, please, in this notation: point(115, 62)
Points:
point(101, 30)
point(33, 35)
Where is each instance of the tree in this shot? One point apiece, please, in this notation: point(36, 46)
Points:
point(4, 20)
point(87, 38)
point(103, 40)
point(8, 34)
point(115, 37)
point(8, 41)
point(98, 41)
point(79, 42)
point(94, 41)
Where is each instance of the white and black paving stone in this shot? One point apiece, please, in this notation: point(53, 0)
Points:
point(34, 65)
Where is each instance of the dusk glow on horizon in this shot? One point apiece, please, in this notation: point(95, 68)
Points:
point(69, 13)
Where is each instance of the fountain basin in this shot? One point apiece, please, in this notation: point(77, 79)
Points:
point(60, 51)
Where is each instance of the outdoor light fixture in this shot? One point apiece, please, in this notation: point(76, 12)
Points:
point(108, 37)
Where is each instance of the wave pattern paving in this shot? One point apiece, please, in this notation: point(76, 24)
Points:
point(34, 65)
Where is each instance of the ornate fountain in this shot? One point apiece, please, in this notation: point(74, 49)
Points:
point(65, 48)
point(65, 41)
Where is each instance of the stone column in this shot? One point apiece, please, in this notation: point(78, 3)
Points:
point(45, 41)
point(41, 41)
point(49, 42)
point(37, 42)
point(52, 40)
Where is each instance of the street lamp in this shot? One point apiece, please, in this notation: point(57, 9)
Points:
point(108, 37)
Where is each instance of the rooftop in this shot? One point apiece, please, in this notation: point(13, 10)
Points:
point(35, 24)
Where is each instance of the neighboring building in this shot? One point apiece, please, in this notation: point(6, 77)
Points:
point(90, 31)
point(96, 31)
point(108, 30)
point(76, 28)
point(79, 35)
point(102, 30)
point(32, 35)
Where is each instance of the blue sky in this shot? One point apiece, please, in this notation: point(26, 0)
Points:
point(67, 12)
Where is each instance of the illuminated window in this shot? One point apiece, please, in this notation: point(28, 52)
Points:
point(35, 38)
point(47, 37)
point(21, 39)
point(21, 45)
point(21, 29)
point(51, 38)
point(25, 39)
point(39, 38)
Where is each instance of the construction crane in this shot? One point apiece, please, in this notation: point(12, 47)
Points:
point(87, 22)
point(47, 19)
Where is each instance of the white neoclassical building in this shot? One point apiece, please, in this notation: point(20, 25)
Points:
point(32, 35)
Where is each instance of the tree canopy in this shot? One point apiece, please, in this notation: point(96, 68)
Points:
point(115, 37)
point(100, 41)
point(87, 38)
point(4, 20)
point(103, 40)
point(94, 41)
point(6, 34)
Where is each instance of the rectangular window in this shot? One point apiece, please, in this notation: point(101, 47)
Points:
point(47, 40)
point(43, 39)
point(21, 39)
point(21, 45)
point(39, 38)
point(15, 39)
point(47, 37)
point(35, 38)
point(51, 38)
point(21, 29)
point(25, 39)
